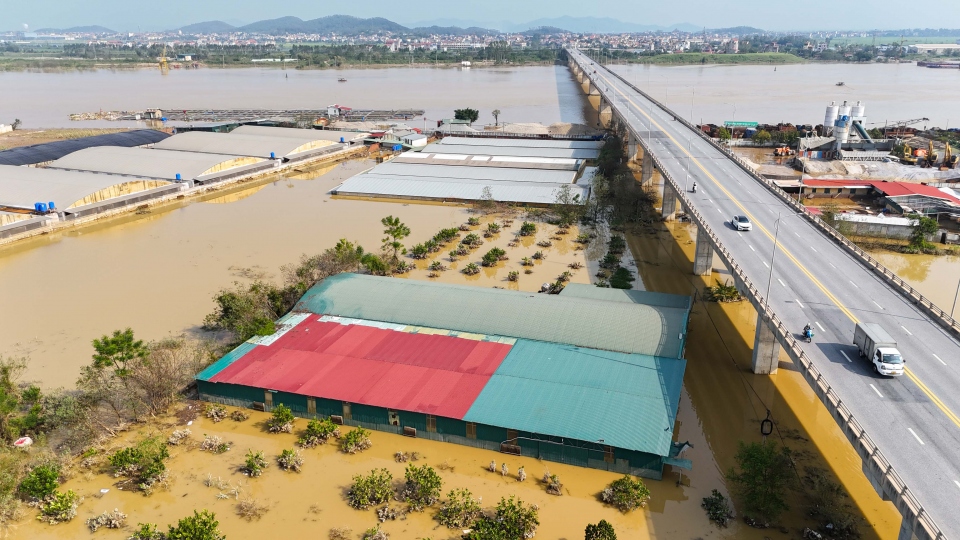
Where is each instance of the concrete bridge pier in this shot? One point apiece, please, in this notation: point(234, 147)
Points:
point(633, 147)
point(703, 257)
point(669, 207)
point(766, 348)
point(592, 88)
point(606, 113)
point(646, 169)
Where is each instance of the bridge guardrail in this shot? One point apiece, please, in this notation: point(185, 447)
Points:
point(891, 485)
point(944, 319)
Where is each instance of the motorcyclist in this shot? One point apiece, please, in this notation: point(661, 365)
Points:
point(808, 331)
point(694, 190)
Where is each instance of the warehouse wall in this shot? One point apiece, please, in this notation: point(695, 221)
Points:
point(550, 448)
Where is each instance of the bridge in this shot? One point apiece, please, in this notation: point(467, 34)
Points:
point(796, 269)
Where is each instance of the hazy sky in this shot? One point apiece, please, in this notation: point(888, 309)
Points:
point(126, 15)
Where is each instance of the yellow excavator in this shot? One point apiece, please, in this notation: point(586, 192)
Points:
point(907, 157)
point(949, 160)
point(164, 67)
point(931, 159)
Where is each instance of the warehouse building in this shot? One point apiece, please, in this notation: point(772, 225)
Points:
point(523, 171)
point(346, 137)
point(590, 377)
point(170, 165)
point(43, 153)
point(71, 194)
point(261, 146)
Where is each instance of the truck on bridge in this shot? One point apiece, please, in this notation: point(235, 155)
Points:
point(876, 344)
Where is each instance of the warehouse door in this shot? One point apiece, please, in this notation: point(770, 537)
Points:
point(394, 418)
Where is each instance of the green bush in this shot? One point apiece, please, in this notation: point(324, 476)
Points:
point(255, 463)
point(527, 229)
point(471, 240)
point(471, 269)
point(375, 488)
point(460, 511)
point(41, 482)
point(281, 421)
point(492, 257)
point(60, 507)
point(200, 526)
point(512, 520)
point(290, 460)
point(600, 531)
point(355, 441)
point(473, 221)
point(146, 531)
point(622, 279)
point(419, 251)
point(317, 432)
point(763, 474)
point(626, 494)
point(616, 245)
point(718, 508)
point(144, 462)
point(422, 487)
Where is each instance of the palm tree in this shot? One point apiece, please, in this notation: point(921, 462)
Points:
point(496, 116)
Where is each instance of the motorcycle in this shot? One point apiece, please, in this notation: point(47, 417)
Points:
point(694, 188)
point(808, 334)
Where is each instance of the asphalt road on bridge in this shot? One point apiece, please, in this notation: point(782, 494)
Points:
point(913, 419)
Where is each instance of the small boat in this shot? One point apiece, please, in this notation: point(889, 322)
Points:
point(341, 79)
point(840, 83)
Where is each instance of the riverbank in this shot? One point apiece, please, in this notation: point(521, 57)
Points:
point(684, 59)
point(79, 64)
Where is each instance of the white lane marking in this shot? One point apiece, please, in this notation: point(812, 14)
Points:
point(781, 282)
point(905, 330)
point(709, 201)
point(878, 305)
point(719, 210)
point(814, 249)
point(751, 247)
point(845, 356)
point(801, 305)
point(822, 329)
point(740, 233)
point(938, 358)
point(796, 233)
point(913, 433)
point(957, 483)
point(881, 397)
point(831, 264)
point(765, 264)
point(854, 284)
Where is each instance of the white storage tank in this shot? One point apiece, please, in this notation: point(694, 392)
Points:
point(845, 110)
point(859, 111)
point(831, 117)
point(841, 130)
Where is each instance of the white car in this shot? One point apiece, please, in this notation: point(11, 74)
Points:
point(741, 223)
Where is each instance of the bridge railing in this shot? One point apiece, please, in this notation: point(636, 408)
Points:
point(939, 315)
point(875, 464)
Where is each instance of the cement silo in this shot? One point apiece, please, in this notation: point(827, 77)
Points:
point(830, 118)
point(845, 110)
point(859, 111)
point(841, 130)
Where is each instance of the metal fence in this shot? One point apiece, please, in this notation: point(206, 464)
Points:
point(889, 482)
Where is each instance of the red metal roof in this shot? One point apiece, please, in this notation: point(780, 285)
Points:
point(892, 189)
point(431, 374)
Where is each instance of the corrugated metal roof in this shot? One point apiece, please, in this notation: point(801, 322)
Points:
point(520, 143)
point(306, 134)
point(482, 161)
point(372, 185)
point(463, 172)
point(21, 187)
point(146, 162)
point(576, 153)
point(427, 373)
point(41, 153)
point(233, 144)
point(627, 400)
point(650, 298)
point(614, 326)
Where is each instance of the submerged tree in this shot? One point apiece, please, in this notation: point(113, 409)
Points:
point(468, 114)
point(762, 476)
point(395, 231)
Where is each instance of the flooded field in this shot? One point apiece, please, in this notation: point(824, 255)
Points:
point(158, 273)
point(936, 276)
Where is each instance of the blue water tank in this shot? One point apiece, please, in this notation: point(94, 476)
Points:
point(51, 205)
point(163, 118)
point(42, 207)
point(178, 177)
point(36, 207)
point(397, 147)
point(273, 156)
point(341, 140)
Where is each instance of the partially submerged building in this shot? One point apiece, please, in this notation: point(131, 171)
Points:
point(170, 165)
point(66, 195)
point(590, 377)
point(38, 154)
point(253, 145)
point(527, 171)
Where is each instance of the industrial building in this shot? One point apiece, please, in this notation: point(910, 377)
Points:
point(38, 154)
point(49, 194)
point(590, 377)
point(170, 165)
point(336, 136)
point(528, 171)
point(254, 145)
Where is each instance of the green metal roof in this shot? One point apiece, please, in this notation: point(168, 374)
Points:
point(581, 290)
point(628, 400)
point(584, 322)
